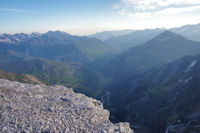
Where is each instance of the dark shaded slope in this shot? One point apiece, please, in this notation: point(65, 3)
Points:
point(161, 97)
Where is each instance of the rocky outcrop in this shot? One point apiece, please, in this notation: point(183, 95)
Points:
point(41, 108)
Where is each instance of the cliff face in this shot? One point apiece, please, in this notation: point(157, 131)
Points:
point(40, 108)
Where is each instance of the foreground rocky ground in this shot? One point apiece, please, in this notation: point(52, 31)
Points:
point(40, 108)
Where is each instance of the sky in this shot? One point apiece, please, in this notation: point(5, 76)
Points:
point(83, 17)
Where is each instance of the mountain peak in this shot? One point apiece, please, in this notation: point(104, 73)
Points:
point(56, 33)
point(167, 35)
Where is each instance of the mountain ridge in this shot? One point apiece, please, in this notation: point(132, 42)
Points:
point(152, 53)
point(61, 45)
point(166, 95)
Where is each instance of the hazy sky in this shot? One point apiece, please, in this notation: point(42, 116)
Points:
point(89, 16)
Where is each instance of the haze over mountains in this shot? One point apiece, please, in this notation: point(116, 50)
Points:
point(189, 31)
point(137, 37)
point(145, 77)
point(108, 34)
point(133, 39)
point(164, 48)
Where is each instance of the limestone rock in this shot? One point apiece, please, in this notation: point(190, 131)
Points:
point(41, 108)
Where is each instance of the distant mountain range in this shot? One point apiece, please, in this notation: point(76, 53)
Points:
point(108, 34)
point(56, 45)
point(137, 37)
point(191, 32)
point(164, 48)
point(8, 38)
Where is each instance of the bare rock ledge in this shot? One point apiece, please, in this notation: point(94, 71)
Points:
point(41, 108)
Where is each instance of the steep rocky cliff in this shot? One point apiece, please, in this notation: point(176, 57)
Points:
point(40, 108)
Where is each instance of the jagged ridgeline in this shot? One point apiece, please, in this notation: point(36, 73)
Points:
point(57, 58)
point(56, 45)
point(40, 108)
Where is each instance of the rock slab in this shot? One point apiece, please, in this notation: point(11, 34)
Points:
point(41, 108)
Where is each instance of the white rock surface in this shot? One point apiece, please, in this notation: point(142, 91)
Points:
point(40, 108)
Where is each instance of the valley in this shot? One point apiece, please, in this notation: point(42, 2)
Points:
point(149, 78)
